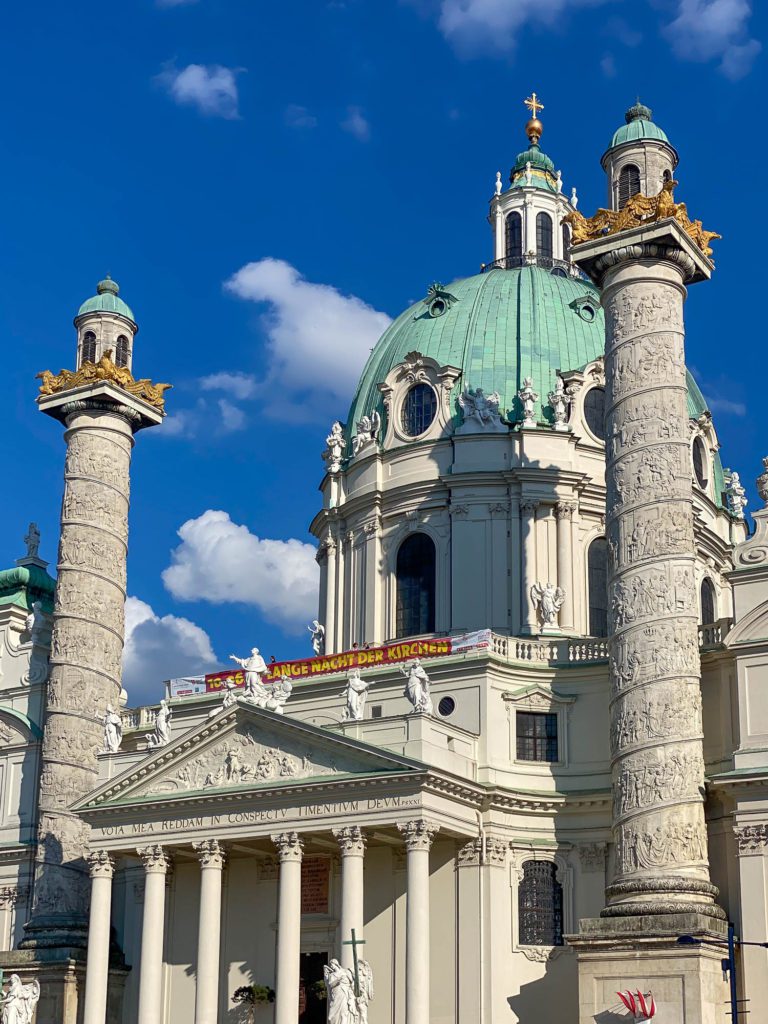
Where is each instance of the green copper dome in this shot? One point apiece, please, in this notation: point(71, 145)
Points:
point(107, 300)
point(639, 125)
point(542, 168)
point(504, 326)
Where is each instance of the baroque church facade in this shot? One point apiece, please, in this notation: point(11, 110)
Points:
point(530, 752)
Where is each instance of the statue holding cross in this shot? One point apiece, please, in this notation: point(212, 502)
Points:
point(349, 990)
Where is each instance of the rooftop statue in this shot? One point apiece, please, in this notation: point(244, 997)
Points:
point(480, 409)
point(255, 669)
point(317, 636)
point(549, 601)
point(19, 1001)
point(335, 444)
point(113, 731)
point(417, 687)
point(355, 694)
point(32, 540)
point(162, 734)
point(637, 211)
point(104, 370)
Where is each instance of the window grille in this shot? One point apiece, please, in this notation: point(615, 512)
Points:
point(629, 183)
point(540, 905)
point(88, 348)
point(419, 409)
point(122, 351)
point(514, 236)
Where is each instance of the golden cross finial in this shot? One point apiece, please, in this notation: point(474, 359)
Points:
point(533, 105)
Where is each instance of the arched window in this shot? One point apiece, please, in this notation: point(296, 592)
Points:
point(540, 905)
point(699, 455)
point(708, 602)
point(566, 240)
point(594, 411)
point(629, 183)
point(88, 348)
point(597, 586)
point(544, 236)
point(416, 586)
point(419, 409)
point(122, 351)
point(667, 175)
point(514, 240)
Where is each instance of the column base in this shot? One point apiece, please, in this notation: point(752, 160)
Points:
point(642, 952)
point(62, 985)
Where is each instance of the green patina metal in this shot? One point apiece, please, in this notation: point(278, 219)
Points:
point(638, 126)
point(501, 327)
point(24, 585)
point(107, 300)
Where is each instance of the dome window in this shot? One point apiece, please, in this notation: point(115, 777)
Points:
point(543, 236)
point(415, 573)
point(437, 307)
point(514, 239)
point(699, 455)
point(88, 348)
point(629, 184)
point(122, 351)
point(419, 410)
point(594, 412)
point(587, 312)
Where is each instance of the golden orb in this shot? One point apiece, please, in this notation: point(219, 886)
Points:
point(533, 129)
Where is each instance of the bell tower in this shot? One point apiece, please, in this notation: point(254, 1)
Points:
point(640, 158)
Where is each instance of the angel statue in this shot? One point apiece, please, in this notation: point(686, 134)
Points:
point(342, 1001)
point(19, 1001)
point(365, 974)
point(481, 408)
point(368, 428)
point(417, 687)
point(548, 600)
point(317, 636)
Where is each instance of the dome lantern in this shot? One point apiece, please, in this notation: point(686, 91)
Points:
point(640, 157)
point(105, 326)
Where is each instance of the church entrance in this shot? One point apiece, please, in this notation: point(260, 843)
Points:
point(312, 1002)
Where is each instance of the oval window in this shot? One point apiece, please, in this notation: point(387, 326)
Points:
point(446, 706)
point(594, 411)
point(700, 463)
point(419, 410)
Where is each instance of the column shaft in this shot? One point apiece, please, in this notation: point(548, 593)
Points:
point(418, 838)
point(209, 932)
point(152, 935)
point(352, 843)
point(330, 596)
point(564, 513)
point(528, 576)
point(289, 847)
point(97, 967)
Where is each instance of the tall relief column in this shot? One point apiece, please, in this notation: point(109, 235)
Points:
point(661, 885)
point(101, 407)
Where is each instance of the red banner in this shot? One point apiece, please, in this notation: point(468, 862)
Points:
point(323, 664)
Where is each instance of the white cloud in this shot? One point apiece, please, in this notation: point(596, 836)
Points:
point(608, 65)
point(357, 124)
point(240, 385)
point(727, 406)
point(212, 88)
point(159, 648)
point(708, 29)
point(221, 562)
point(317, 338)
point(481, 26)
point(299, 117)
point(231, 417)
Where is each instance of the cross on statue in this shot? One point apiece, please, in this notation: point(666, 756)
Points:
point(354, 943)
point(533, 104)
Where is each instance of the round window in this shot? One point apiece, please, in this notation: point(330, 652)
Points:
point(437, 307)
point(446, 706)
point(594, 411)
point(419, 410)
point(700, 463)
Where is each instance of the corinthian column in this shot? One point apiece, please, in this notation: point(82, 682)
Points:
point(352, 843)
point(102, 869)
point(418, 836)
point(156, 865)
point(212, 858)
point(290, 847)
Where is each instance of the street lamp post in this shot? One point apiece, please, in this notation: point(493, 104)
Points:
point(729, 962)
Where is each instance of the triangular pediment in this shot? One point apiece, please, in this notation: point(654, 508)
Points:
point(247, 748)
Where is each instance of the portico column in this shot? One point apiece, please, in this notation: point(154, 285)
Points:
point(289, 850)
point(528, 575)
point(564, 512)
point(102, 869)
point(418, 836)
point(352, 843)
point(211, 856)
point(156, 865)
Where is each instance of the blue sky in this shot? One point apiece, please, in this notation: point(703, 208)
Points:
point(269, 183)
